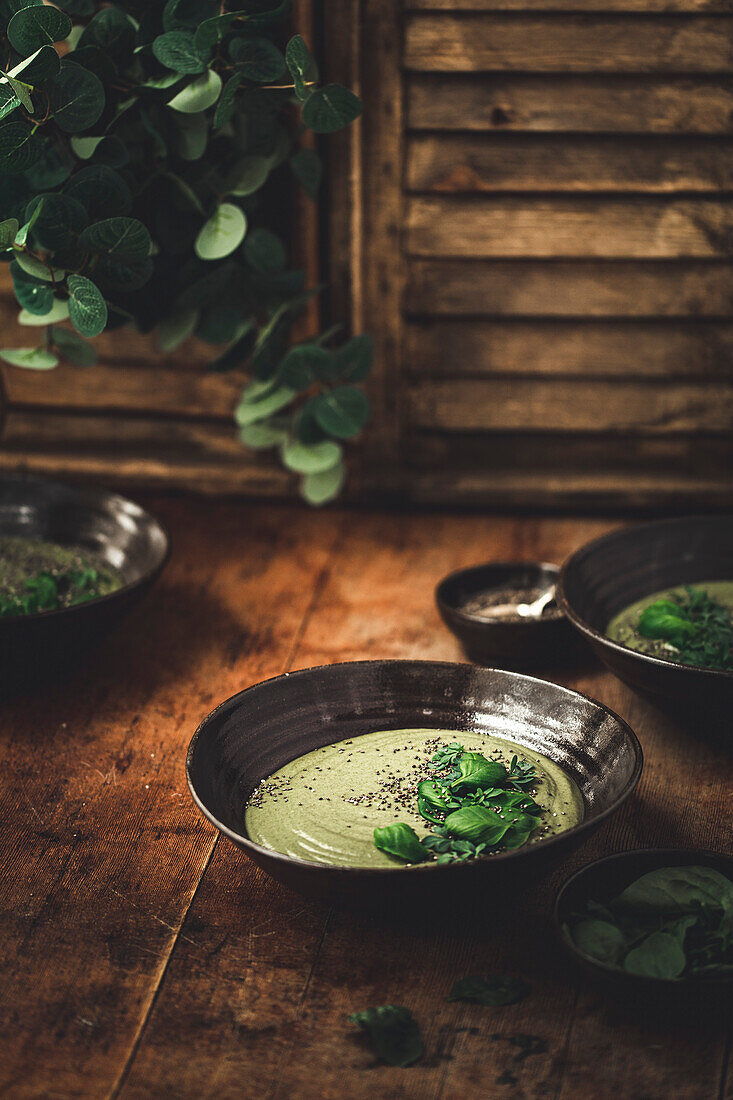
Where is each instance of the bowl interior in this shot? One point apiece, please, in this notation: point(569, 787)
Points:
point(125, 536)
point(604, 879)
point(455, 590)
point(265, 727)
point(606, 576)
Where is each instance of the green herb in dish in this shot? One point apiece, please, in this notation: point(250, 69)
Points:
point(393, 1032)
point(40, 576)
point(692, 625)
point(475, 805)
point(672, 923)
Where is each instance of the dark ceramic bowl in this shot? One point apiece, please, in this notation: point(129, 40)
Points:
point(610, 573)
point(602, 881)
point(524, 643)
point(256, 732)
point(133, 542)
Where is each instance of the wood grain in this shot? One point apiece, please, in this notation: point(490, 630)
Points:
point(553, 288)
point(602, 6)
point(590, 349)
point(519, 404)
point(568, 227)
point(568, 43)
point(469, 163)
point(593, 103)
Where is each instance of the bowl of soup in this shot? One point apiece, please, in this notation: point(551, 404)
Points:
point(381, 781)
point(655, 601)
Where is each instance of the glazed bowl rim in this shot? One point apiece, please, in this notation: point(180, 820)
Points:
point(602, 639)
point(100, 494)
point(469, 619)
point(587, 824)
point(612, 971)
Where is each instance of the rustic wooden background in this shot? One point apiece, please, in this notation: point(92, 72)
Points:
point(534, 220)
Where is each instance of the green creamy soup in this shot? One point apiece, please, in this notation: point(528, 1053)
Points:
point(324, 806)
point(623, 628)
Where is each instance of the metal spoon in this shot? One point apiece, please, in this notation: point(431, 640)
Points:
point(526, 610)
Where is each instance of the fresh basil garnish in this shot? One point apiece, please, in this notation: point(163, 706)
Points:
point(401, 841)
point(393, 1032)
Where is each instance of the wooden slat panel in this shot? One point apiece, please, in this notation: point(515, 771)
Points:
point(140, 452)
point(641, 6)
point(556, 288)
point(568, 227)
point(519, 404)
point(590, 104)
point(449, 348)
point(568, 43)
point(151, 390)
point(514, 162)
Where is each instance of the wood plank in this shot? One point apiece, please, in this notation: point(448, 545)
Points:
point(592, 349)
point(469, 163)
point(568, 43)
point(549, 288)
point(102, 847)
point(236, 992)
point(147, 389)
point(565, 227)
point(595, 103)
point(520, 404)
point(602, 6)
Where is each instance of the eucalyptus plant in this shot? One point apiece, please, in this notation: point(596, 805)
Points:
point(144, 153)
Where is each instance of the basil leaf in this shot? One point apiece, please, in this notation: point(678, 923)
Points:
point(401, 841)
point(601, 940)
point(393, 1032)
point(478, 824)
point(476, 771)
point(684, 889)
point(494, 990)
point(658, 956)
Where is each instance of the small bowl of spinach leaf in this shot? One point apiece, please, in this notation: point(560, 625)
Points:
point(655, 919)
point(73, 559)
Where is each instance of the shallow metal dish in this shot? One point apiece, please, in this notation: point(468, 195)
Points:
point(258, 731)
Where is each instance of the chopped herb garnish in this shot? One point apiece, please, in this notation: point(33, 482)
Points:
point(394, 1033)
point(697, 630)
point(474, 805)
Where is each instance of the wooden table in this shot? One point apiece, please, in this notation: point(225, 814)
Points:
point(143, 957)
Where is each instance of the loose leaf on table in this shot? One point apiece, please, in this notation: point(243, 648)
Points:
point(401, 841)
point(393, 1032)
point(494, 990)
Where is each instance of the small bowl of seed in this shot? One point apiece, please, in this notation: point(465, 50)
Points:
point(504, 613)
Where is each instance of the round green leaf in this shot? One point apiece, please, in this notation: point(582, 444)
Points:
point(188, 13)
point(39, 270)
point(301, 65)
point(226, 104)
point(57, 220)
point(87, 307)
point(124, 239)
point(102, 191)
point(193, 135)
point(112, 31)
point(260, 436)
point(33, 295)
point(343, 412)
point(30, 358)
point(59, 311)
point(314, 458)
point(19, 147)
point(199, 95)
point(77, 97)
point(303, 364)
point(249, 175)
point(321, 488)
point(8, 232)
point(31, 28)
point(177, 50)
point(257, 59)
point(222, 233)
point(74, 348)
point(331, 108)
point(272, 400)
point(354, 360)
point(39, 67)
point(264, 251)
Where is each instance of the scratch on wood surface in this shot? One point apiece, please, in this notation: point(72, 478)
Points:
point(155, 917)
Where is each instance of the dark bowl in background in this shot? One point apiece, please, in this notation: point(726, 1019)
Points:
point(526, 643)
point(602, 881)
point(129, 539)
point(612, 572)
point(259, 730)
